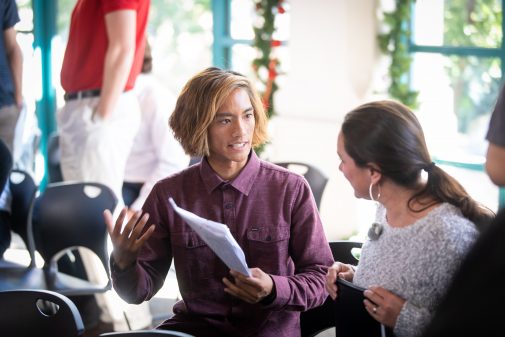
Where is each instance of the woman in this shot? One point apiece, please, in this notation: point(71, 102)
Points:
point(424, 226)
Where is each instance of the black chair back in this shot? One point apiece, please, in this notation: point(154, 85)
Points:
point(23, 190)
point(316, 179)
point(28, 313)
point(67, 216)
point(318, 319)
point(5, 164)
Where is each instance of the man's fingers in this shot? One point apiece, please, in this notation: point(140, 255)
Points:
point(114, 228)
point(236, 291)
point(143, 238)
point(131, 224)
point(107, 216)
point(139, 226)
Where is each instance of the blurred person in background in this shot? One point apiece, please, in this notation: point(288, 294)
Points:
point(473, 305)
point(11, 104)
point(155, 154)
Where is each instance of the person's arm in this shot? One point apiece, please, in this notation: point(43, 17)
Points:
point(495, 164)
point(15, 59)
point(121, 30)
point(311, 255)
point(140, 262)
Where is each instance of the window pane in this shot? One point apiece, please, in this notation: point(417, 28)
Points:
point(242, 57)
point(242, 17)
point(477, 184)
point(462, 23)
point(457, 95)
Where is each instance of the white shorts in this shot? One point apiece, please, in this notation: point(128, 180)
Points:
point(97, 150)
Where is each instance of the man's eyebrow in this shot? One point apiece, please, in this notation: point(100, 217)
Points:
point(228, 114)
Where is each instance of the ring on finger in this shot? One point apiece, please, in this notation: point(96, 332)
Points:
point(374, 309)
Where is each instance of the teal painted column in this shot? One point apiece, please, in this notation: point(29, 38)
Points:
point(44, 23)
point(221, 50)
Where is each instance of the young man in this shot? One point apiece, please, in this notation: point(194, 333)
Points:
point(270, 212)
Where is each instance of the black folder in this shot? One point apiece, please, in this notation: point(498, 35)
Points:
point(351, 317)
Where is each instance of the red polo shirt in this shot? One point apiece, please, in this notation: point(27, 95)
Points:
point(83, 63)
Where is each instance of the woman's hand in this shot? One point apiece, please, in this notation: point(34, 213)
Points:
point(127, 243)
point(341, 270)
point(383, 305)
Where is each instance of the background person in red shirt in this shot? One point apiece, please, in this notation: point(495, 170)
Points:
point(101, 115)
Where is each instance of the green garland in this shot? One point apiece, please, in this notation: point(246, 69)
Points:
point(266, 66)
point(395, 43)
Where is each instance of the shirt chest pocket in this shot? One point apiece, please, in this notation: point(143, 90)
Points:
point(268, 248)
point(193, 259)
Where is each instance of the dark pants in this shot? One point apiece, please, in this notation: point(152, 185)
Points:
point(131, 192)
point(5, 231)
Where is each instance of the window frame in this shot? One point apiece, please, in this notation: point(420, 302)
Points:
point(479, 52)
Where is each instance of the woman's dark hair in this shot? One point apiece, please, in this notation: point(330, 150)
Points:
point(389, 135)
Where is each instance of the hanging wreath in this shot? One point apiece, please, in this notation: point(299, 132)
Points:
point(266, 64)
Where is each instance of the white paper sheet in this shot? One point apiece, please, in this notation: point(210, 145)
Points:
point(218, 237)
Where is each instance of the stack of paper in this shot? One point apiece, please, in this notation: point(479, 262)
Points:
point(218, 237)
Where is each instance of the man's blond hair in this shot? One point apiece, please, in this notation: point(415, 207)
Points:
point(199, 102)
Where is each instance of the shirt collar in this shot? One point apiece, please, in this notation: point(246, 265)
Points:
point(243, 182)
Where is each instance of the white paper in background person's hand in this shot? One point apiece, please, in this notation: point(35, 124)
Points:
point(218, 237)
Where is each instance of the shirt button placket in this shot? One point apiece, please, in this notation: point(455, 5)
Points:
point(228, 206)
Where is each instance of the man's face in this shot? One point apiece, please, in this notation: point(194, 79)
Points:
point(230, 135)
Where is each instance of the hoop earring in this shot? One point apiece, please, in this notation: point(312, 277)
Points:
point(371, 194)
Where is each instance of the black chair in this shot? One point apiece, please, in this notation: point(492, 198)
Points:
point(53, 158)
point(23, 191)
point(69, 216)
point(5, 168)
point(146, 333)
point(28, 313)
point(64, 217)
point(318, 319)
point(316, 179)
point(5, 164)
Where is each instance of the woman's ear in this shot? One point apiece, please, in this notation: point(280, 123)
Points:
point(375, 173)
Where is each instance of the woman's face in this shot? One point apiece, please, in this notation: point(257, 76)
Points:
point(358, 177)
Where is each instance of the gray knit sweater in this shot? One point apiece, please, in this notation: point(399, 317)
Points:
point(416, 262)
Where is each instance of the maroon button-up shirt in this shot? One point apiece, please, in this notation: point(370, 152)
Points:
point(271, 213)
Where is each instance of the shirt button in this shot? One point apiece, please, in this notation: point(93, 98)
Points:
point(228, 205)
